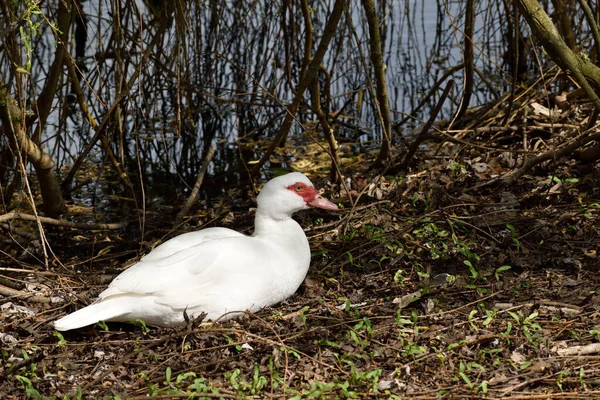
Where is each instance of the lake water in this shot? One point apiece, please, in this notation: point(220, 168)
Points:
point(223, 79)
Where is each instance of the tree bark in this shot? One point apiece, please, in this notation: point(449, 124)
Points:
point(581, 69)
point(43, 105)
point(382, 102)
point(14, 128)
point(468, 60)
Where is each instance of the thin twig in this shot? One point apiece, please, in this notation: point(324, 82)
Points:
point(60, 222)
point(423, 135)
point(194, 195)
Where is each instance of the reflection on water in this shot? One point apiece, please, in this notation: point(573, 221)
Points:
point(223, 71)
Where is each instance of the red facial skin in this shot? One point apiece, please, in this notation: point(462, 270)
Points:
point(311, 196)
point(308, 193)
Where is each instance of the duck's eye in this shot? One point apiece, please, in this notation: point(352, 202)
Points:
point(298, 188)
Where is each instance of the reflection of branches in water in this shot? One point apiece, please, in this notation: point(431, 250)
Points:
point(221, 71)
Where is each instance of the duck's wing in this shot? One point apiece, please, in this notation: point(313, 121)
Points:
point(198, 267)
point(189, 240)
point(231, 274)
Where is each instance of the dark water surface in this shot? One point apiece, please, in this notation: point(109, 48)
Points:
point(225, 71)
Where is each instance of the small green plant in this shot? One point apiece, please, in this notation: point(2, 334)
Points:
point(515, 237)
point(61, 340)
point(351, 310)
point(316, 390)
point(408, 333)
point(351, 234)
point(364, 326)
point(231, 341)
point(367, 377)
point(242, 386)
point(354, 336)
point(168, 375)
point(472, 314)
point(499, 270)
point(472, 270)
point(303, 313)
point(399, 277)
point(142, 325)
point(30, 391)
point(289, 350)
point(102, 325)
point(581, 378)
point(321, 252)
point(490, 315)
point(467, 367)
point(434, 237)
point(275, 378)
point(28, 32)
point(455, 166)
point(528, 327)
point(350, 258)
point(483, 387)
point(463, 376)
point(556, 179)
point(200, 386)
point(559, 378)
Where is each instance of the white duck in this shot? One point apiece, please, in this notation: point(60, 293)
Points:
point(216, 270)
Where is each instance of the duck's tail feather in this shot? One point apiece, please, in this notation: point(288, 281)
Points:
point(104, 310)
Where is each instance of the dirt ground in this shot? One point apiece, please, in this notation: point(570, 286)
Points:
point(434, 285)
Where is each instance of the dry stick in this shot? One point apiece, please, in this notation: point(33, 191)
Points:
point(423, 134)
point(308, 36)
point(381, 100)
point(563, 23)
point(305, 81)
point(194, 195)
point(47, 181)
point(327, 130)
point(335, 172)
point(287, 36)
point(515, 66)
point(518, 386)
point(113, 108)
point(485, 79)
point(510, 177)
point(122, 360)
point(20, 232)
point(59, 222)
point(8, 292)
point(185, 333)
point(29, 271)
point(430, 93)
point(584, 138)
point(468, 61)
point(92, 121)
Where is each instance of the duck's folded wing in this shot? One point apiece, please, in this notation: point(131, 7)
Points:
point(197, 267)
point(189, 240)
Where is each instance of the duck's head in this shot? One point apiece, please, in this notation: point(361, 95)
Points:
point(286, 194)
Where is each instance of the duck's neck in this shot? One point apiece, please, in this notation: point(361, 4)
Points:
point(288, 239)
point(278, 225)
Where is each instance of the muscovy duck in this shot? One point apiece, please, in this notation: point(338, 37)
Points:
point(216, 271)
